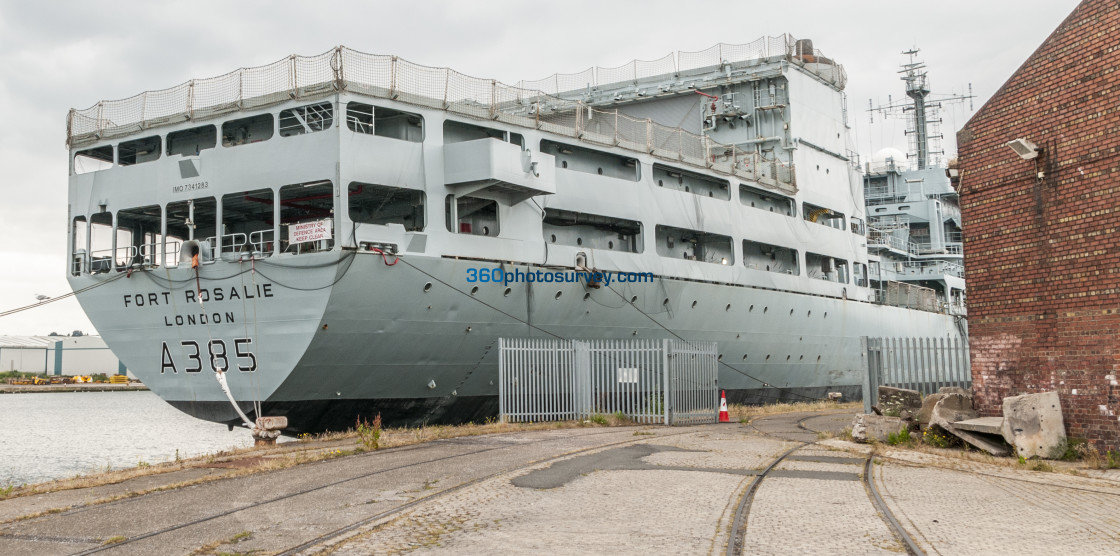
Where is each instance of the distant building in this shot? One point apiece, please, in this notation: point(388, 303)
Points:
point(58, 355)
point(1042, 227)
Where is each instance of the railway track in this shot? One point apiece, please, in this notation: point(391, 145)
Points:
point(324, 538)
point(737, 539)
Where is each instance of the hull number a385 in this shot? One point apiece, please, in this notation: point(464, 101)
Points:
point(216, 352)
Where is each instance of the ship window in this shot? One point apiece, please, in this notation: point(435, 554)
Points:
point(247, 223)
point(471, 215)
point(592, 162)
point(92, 160)
point(395, 124)
point(190, 142)
point(253, 129)
point(307, 217)
point(689, 182)
point(823, 267)
point(101, 243)
point(306, 119)
point(186, 220)
point(457, 132)
point(765, 200)
point(859, 272)
point(79, 249)
point(138, 150)
point(138, 237)
point(591, 230)
point(359, 117)
point(382, 204)
point(771, 258)
point(821, 215)
point(681, 243)
point(857, 226)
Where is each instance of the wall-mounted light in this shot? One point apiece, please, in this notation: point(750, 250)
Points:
point(1025, 149)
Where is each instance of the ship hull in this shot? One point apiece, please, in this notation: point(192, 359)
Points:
point(338, 335)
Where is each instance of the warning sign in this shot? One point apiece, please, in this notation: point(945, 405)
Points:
point(309, 231)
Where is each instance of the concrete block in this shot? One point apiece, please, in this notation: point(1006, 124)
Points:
point(927, 408)
point(1033, 425)
point(866, 428)
point(954, 390)
point(986, 425)
point(894, 400)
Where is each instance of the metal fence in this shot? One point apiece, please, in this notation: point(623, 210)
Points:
point(650, 381)
point(922, 364)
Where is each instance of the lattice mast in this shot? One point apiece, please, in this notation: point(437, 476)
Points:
point(922, 113)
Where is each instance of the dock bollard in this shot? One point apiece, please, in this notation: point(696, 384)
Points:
point(267, 430)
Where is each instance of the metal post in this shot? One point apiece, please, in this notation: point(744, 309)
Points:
point(665, 355)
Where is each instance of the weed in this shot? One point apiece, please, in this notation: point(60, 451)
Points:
point(6, 490)
point(620, 417)
point(1022, 460)
point(744, 420)
point(643, 433)
point(369, 432)
point(901, 438)
point(1112, 460)
point(599, 419)
point(1041, 466)
point(242, 536)
point(932, 438)
point(141, 464)
point(114, 540)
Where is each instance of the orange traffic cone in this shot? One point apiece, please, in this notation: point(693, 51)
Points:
point(723, 415)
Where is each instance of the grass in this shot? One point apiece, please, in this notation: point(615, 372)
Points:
point(114, 540)
point(213, 547)
point(745, 413)
point(369, 432)
point(901, 438)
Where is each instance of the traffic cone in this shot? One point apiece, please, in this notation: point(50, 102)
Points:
point(724, 417)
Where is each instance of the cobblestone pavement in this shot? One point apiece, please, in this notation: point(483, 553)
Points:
point(681, 490)
point(988, 509)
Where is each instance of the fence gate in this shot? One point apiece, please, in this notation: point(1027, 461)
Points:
point(922, 364)
point(650, 381)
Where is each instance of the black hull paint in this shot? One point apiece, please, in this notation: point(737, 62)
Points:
point(336, 415)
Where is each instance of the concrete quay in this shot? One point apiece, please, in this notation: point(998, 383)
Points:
point(769, 487)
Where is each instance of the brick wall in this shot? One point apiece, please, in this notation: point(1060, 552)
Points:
point(1042, 256)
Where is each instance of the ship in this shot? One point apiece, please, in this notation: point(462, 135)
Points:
point(345, 235)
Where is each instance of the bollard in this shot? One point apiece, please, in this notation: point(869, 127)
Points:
point(267, 430)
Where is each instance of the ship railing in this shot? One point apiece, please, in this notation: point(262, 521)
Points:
point(534, 105)
point(909, 296)
point(261, 242)
point(887, 194)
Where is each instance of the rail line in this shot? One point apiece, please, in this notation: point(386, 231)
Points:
point(353, 526)
point(737, 540)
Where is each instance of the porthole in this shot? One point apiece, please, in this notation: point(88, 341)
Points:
point(610, 245)
point(558, 294)
point(553, 238)
point(687, 190)
point(787, 357)
point(720, 357)
point(728, 308)
point(600, 171)
point(634, 299)
point(579, 241)
point(660, 183)
point(800, 357)
point(587, 296)
point(469, 329)
point(427, 287)
point(791, 312)
point(486, 230)
point(765, 309)
point(750, 309)
point(507, 292)
point(693, 303)
point(744, 357)
point(767, 356)
point(752, 203)
point(818, 358)
point(666, 301)
point(563, 163)
point(826, 314)
point(474, 290)
point(809, 314)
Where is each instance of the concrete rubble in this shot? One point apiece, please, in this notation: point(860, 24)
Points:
point(1033, 425)
point(868, 428)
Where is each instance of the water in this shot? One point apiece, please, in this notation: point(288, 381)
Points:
point(57, 435)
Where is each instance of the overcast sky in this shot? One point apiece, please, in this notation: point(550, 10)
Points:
point(60, 55)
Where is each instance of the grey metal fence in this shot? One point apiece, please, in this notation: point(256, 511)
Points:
point(922, 364)
point(649, 381)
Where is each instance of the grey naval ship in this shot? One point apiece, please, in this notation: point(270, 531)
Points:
point(350, 234)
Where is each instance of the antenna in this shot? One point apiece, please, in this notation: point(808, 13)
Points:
point(922, 112)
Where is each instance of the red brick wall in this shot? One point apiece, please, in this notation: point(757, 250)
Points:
point(1042, 256)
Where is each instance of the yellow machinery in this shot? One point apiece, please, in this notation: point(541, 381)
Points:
point(118, 379)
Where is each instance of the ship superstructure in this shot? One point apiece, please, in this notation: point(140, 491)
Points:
point(913, 210)
point(349, 234)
